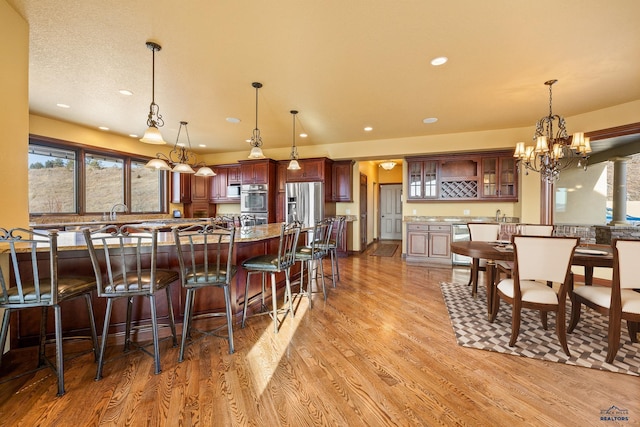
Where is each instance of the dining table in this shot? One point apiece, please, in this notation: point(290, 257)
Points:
point(588, 256)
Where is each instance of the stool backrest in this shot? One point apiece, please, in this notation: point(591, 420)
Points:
point(483, 231)
point(124, 259)
point(205, 253)
point(289, 234)
point(36, 283)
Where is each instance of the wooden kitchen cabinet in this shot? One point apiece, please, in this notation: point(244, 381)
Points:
point(218, 187)
point(234, 175)
point(499, 178)
point(462, 177)
point(429, 243)
point(199, 188)
point(257, 171)
point(311, 170)
point(342, 181)
point(225, 175)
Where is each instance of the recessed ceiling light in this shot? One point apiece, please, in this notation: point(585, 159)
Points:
point(429, 120)
point(125, 92)
point(103, 128)
point(63, 105)
point(439, 60)
point(303, 135)
point(202, 145)
point(368, 129)
point(233, 120)
point(133, 135)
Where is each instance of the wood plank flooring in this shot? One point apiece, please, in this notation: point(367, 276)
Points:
point(379, 352)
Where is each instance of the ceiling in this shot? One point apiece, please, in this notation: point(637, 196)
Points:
point(343, 64)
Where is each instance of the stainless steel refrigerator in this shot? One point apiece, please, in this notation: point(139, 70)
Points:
point(305, 202)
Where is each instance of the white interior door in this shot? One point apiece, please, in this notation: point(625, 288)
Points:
point(391, 211)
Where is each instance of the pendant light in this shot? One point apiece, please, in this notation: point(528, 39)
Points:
point(154, 120)
point(256, 140)
point(182, 159)
point(293, 164)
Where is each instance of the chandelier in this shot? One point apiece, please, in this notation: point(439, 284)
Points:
point(181, 159)
point(154, 119)
point(293, 164)
point(388, 165)
point(256, 139)
point(554, 150)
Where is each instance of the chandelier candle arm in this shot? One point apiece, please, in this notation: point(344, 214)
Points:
point(553, 152)
point(154, 120)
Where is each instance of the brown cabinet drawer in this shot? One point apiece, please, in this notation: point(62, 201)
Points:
point(445, 228)
point(417, 227)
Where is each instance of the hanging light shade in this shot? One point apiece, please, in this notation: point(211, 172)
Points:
point(256, 139)
point(388, 165)
point(293, 164)
point(553, 151)
point(154, 120)
point(182, 159)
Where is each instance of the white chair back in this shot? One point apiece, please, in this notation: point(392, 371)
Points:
point(544, 258)
point(483, 232)
point(626, 266)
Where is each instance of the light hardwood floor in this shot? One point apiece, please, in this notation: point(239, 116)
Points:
point(379, 352)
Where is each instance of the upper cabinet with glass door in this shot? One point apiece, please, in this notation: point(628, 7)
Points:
point(462, 177)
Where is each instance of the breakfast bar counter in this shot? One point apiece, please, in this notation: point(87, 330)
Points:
point(73, 258)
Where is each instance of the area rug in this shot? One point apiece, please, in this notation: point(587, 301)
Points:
point(587, 343)
point(385, 250)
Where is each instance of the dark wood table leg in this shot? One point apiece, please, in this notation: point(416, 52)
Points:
point(491, 274)
point(588, 275)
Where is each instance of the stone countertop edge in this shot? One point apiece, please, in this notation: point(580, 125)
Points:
point(456, 220)
point(74, 240)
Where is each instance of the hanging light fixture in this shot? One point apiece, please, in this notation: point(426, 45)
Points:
point(256, 140)
point(553, 152)
point(293, 164)
point(388, 165)
point(154, 120)
point(182, 160)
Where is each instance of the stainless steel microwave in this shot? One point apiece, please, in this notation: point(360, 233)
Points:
point(233, 191)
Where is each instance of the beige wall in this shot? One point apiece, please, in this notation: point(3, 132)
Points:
point(14, 117)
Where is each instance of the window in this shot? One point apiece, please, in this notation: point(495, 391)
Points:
point(104, 183)
point(52, 180)
point(65, 178)
point(145, 188)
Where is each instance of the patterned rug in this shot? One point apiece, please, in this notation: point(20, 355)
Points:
point(587, 343)
point(385, 250)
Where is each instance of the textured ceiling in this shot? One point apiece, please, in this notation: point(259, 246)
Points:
point(343, 64)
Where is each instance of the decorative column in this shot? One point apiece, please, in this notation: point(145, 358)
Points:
point(546, 202)
point(619, 191)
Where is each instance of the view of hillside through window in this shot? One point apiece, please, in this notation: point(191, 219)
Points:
point(53, 183)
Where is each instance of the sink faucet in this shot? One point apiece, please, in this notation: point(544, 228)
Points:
point(498, 212)
point(112, 214)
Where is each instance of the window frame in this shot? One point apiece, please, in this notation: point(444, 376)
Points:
point(81, 151)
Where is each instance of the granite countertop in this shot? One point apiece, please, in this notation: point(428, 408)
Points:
point(457, 219)
point(74, 240)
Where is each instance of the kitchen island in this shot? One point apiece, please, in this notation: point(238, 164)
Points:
point(73, 258)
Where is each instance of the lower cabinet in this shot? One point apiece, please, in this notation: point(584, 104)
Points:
point(429, 243)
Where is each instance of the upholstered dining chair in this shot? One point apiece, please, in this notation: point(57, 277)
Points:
point(272, 263)
point(312, 255)
point(38, 284)
point(537, 261)
point(619, 302)
point(205, 255)
point(124, 260)
point(480, 232)
point(505, 267)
